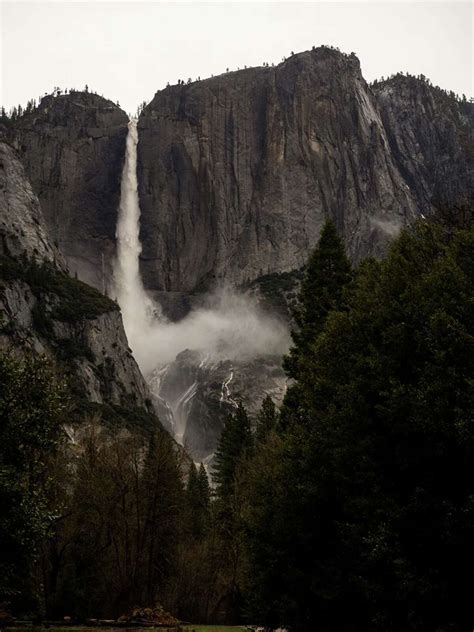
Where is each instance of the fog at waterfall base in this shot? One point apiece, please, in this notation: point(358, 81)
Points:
point(230, 326)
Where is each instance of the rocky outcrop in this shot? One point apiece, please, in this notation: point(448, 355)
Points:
point(430, 138)
point(72, 147)
point(22, 227)
point(237, 173)
point(91, 351)
point(44, 310)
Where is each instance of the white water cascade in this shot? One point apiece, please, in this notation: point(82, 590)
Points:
point(229, 326)
point(137, 307)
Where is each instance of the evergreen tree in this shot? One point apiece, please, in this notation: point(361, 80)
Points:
point(204, 487)
point(32, 402)
point(233, 445)
point(327, 273)
point(378, 532)
point(198, 499)
point(197, 507)
point(266, 420)
point(4, 118)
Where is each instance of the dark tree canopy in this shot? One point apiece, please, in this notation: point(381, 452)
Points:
point(327, 273)
point(377, 487)
point(234, 442)
point(32, 405)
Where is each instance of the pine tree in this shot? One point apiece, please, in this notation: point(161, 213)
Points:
point(266, 420)
point(327, 273)
point(192, 485)
point(384, 473)
point(204, 487)
point(235, 440)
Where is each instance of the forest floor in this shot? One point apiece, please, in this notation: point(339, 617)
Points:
point(80, 628)
point(214, 628)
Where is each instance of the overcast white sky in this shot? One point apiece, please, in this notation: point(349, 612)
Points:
point(128, 50)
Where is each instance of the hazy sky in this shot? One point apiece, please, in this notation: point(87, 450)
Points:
point(128, 50)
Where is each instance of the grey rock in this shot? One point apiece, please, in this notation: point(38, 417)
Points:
point(430, 137)
point(92, 351)
point(199, 392)
point(238, 173)
point(72, 147)
point(101, 367)
point(22, 227)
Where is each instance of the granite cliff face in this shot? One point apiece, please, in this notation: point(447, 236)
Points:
point(72, 147)
point(237, 173)
point(430, 139)
point(22, 226)
point(44, 310)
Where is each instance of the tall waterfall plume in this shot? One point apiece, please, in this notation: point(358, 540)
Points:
point(137, 307)
point(229, 325)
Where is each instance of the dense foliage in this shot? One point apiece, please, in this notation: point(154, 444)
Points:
point(352, 508)
point(115, 545)
point(378, 450)
point(31, 408)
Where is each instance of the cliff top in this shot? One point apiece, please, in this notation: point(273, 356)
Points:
point(408, 87)
point(83, 107)
point(333, 59)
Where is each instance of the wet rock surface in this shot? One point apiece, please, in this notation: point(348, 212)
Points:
point(199, 392)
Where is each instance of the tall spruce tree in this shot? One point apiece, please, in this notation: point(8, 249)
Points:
point(204, 487)
point(378, 534)
point(327, 273)
point(266, 420)
point(198, 498)
point(234, 443)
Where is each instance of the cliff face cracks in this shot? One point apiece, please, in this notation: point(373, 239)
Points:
point(43, 310)
point(72, 147)
point(237, 173)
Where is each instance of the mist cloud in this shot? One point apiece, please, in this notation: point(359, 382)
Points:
point(231, 326)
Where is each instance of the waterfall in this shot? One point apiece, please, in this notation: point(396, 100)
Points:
point(137, 307)
point(230, 326)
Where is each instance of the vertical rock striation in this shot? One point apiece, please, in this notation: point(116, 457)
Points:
point(22, 226)
point(72, 147)
point(237, 173)
point(43, 310)
point(430, 138)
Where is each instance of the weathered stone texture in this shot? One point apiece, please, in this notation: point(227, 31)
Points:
point(93, 351)
point(72, 147)
point(238, 173)
point(22, 227)
point(430, 138)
